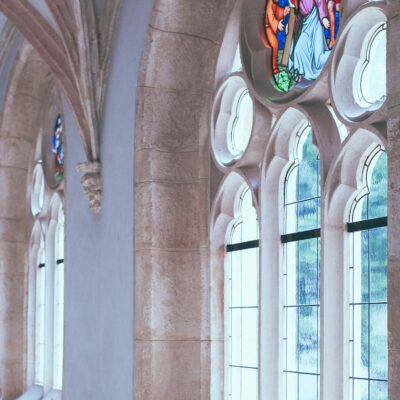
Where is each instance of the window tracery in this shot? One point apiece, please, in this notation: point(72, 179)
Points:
point(324, 119)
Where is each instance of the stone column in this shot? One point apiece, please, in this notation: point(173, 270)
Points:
point(13, 261)
point(393, 104)
point(172, 334)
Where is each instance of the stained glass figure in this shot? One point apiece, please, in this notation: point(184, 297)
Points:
point(301, 35)
point(57, 148)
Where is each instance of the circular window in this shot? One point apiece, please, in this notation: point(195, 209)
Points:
point(286, 43)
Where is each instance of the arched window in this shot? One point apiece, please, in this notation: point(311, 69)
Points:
point(241, 294)
point(40, 315)
point(46, 306)
point(301, 271)
point(294, 121)
point(368, 283)
point(59, 302)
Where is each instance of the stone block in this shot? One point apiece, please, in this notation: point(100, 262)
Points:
point(205, 19)
point(13, 199)
point(170, 121)
point(168, 370)
point(187, 62)
point(169, 295)
point(12, 293)
point(160, 166)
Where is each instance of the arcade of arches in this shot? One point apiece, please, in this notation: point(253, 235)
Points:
point(198, 201)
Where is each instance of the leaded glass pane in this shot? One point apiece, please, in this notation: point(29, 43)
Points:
point(368, 287)
point(40, 315)
point(241, 123)
point(301, 273)
point(242, 290)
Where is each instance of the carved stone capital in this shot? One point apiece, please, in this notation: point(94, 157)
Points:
point(91, 183)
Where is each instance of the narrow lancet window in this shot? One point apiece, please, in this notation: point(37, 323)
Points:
point(301, 275)
point(368, 283)
point(241, 294)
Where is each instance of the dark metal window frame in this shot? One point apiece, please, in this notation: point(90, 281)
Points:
point(297, 236)
point(251, 244)
point(366, 224)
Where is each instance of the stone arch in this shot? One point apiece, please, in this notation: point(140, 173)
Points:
point(30, 93)
point(172, 167)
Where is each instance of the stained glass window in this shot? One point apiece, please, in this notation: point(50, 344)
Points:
point(242, 297)
point(57, 148)
point(368, 284)
point(302, 272)
point(300, 35)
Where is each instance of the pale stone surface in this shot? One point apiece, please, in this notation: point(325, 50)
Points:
point(393, 200)
point(14, 152)
point(13, 257)
point(169, 299)
point(162, 210)
point(12, 293)
point(161, 166)
point(143, 213)
point(172, 200)
point(170, 121)
point(206, 19)
point(12, 338)
point(170, 370)
point(13, 182)
point(21, 117)
point(12, 373)
point(179, 54)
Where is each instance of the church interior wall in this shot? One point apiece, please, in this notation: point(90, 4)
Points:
point(143, 288)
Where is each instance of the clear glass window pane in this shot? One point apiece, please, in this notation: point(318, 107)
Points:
point(242, 289)
point(368, 286)
point(59, 304)
point(40, 315)
point(301, 272)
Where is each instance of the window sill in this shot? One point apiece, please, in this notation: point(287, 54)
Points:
point(36, 393)
point(53, 395)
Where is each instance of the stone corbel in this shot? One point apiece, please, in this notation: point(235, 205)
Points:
point(91, 183)
point(77, 51)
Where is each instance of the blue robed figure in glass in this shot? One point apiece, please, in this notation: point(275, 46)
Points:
point(57, 148)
